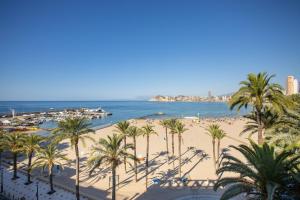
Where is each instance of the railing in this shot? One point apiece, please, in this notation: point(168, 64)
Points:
point(15, 195)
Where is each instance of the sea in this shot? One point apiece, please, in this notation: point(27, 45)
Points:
point(124, 110)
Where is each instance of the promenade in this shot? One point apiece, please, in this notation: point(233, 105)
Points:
point(15, 189)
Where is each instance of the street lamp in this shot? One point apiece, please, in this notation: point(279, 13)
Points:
point(37, 190)
point(1, 187)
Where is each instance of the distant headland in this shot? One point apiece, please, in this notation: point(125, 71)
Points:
point(182, 98)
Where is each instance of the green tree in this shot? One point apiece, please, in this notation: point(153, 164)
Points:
point(110, 151)
point(221, 134)
point(261, 174)
point(283, 130)
point(171, 125)
point(134, 132)
point(14, 142)
point(213, 130)
point(122, 129)
point(259, 92)
point(269, 120)
point(31, 146)
point(74, 129)
point(285, 133)
point(47, 158)
point(179, 129)
point(147, 131)
point(165, 124)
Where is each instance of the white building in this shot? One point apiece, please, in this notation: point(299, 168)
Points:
point(6, 122)
point(296, 86)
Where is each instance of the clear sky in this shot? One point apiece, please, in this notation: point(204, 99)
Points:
point(93, 50)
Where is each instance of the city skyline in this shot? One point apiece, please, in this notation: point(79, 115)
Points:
point(136, 50)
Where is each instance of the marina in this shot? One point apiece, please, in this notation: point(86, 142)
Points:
point(34, 121)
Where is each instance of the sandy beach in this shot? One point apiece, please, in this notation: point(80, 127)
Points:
point(197, 163)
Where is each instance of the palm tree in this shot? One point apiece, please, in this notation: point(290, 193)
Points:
point(269, 119)
point(259, 92)
point(14, 142)
point(221, 134)
point(165, 124)
point(110, 151)
point(47, 158)
point(122, 129)
point(179, 130)
point(288, 125)
point(213, 130)
point(262, 175)
point(74, 129)
point(134, 132)
point(171, 126)
point(147, 131)
point(31, 146)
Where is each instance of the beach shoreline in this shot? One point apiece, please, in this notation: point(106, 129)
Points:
point(197, 168)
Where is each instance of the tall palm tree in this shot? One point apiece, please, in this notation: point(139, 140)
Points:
point(179, 130)
point(147, 131)
point(259, 92)
point(171, 126)
point(213, 130)
point(221, 134)
point(165, 124)
point(134, 132)
point(122, 129)
point(110, 151)
point(31, 146)
point(47, 158)
point(261, 174)
point(14, 142)
point(74, 129)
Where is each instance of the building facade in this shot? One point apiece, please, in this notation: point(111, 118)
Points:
point(296, 86)
point(290, 85)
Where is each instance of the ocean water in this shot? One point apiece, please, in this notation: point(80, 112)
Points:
point(123, 110)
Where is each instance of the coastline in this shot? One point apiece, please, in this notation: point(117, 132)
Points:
point(195, 142)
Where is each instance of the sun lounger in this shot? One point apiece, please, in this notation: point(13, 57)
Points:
point(156, 181)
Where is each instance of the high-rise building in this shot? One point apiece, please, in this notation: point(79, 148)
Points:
point(290, 85)
point(209, 94)
point(296, 86)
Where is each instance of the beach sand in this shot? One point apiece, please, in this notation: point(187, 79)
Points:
point(195, 167)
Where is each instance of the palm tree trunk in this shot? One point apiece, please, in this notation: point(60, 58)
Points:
point(179, 152)
point(77, 171)
point(113, 194)
point(29, 168)
point(167, 145)
point(214, 153)
point(260, 129)
point(15, 155)
point(173, 144)
point(147, 161)
point(51, 180)
point(218, 152)
point(135, 165)
point(125, 143)
point(173, 149)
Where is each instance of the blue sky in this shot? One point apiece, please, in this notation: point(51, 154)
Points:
point(93, 50)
